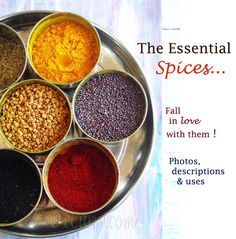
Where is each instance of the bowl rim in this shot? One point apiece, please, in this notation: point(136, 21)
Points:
point(29, 82)
point(47, 18)
point(103, 72)
point(36, 167)
point(25, 56)
point(76, 141)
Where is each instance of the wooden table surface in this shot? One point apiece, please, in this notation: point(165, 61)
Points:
point(130, 21)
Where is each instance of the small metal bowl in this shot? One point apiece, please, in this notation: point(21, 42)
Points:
point(7, 32)
point(29, 82)
point(12, 154)
point(55, 18)
point(104, 72)
point(61, 149)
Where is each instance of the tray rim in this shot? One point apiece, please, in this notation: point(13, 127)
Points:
point(153, 140)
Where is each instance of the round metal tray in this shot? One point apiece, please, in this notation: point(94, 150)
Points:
point(132, 154)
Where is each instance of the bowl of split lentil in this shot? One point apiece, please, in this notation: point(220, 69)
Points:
point(110, 106)
point(13, 60)
point(63, 48)
point(35, 116)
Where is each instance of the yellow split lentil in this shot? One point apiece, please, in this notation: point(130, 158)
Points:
point(65, 52)
point(35, 117)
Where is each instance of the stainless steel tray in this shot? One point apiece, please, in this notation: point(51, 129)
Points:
point(132, 154)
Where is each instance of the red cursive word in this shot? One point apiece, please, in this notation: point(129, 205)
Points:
point(168, 68)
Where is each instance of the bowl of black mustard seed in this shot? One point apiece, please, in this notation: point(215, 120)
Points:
point(110, 106)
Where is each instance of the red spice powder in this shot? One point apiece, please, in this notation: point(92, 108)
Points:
point(81, 179)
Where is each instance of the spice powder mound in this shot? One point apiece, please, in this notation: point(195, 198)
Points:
point(35, 117)
point(12, 61)
point(65, 52)
point(81, 178)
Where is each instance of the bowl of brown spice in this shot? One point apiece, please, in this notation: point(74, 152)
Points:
point(13, 60)
point(63, 48)
point(35, 116)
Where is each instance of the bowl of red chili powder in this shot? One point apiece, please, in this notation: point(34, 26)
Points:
point(80, 176)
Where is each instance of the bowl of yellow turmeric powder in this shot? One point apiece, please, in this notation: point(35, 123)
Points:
point(63, 48)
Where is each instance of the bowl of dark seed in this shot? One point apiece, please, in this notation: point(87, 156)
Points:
point(20, 186)
point(110, 106)
point(13, 60)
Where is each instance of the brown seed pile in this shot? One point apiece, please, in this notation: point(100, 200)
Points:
point(12, 60)
point(35, 117)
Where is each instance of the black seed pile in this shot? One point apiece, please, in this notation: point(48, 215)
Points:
point(19, 186)
point(110, 106)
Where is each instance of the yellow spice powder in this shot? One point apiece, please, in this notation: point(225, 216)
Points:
point(65, 52)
